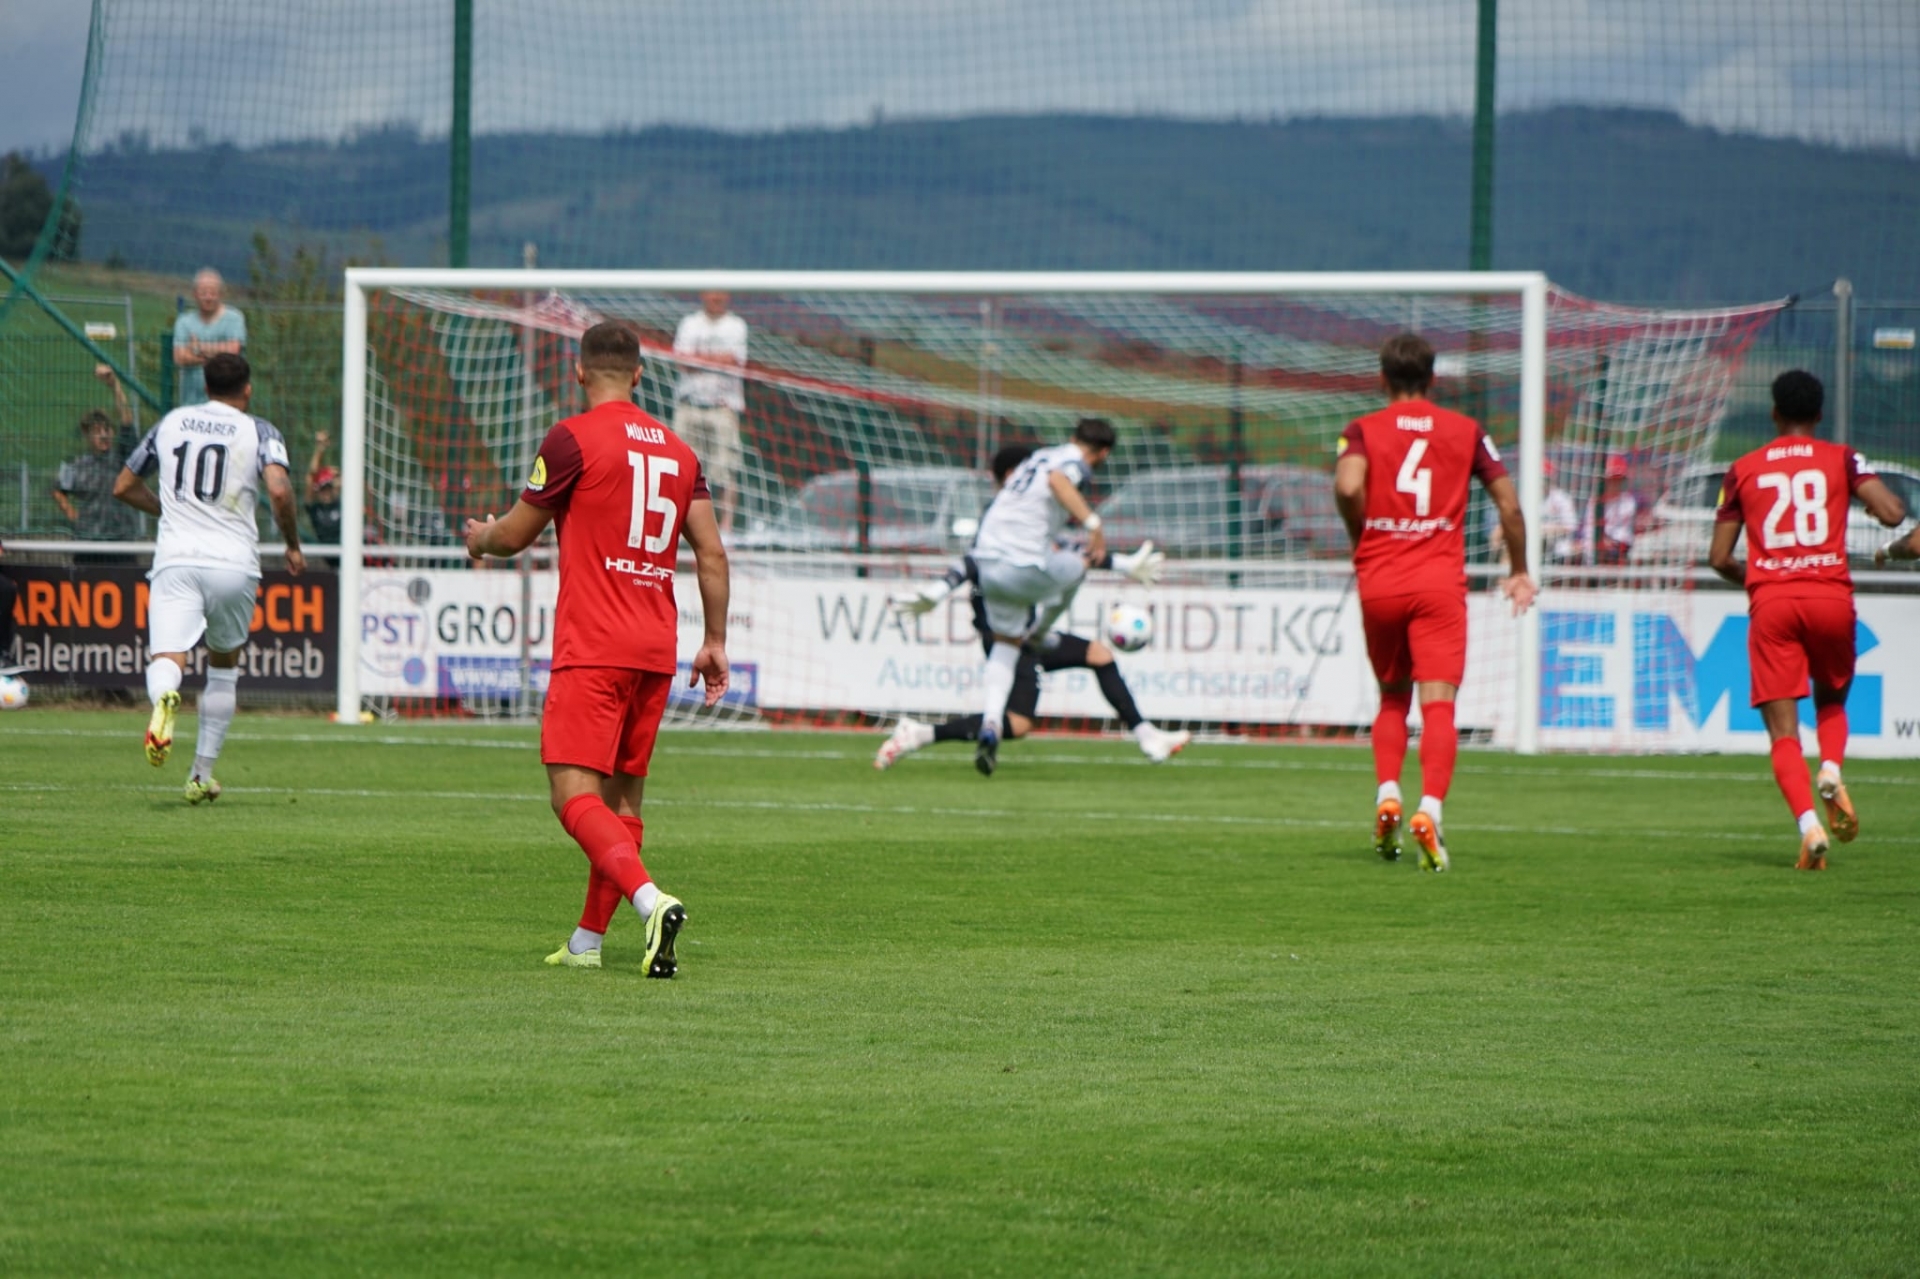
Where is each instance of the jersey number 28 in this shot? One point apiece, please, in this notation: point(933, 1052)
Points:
point(648, 471)
point(1806, 493)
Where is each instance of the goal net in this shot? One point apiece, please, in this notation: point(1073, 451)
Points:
point(871, 408)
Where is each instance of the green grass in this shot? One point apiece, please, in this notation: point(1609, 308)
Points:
point(1088, 1017)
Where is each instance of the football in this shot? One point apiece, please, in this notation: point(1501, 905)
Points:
point(13, 692)
point(1129, 629)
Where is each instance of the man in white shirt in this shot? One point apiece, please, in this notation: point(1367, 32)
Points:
point(1619, 514)
point(212, 460)
point(1026, 580)
point(708, 401)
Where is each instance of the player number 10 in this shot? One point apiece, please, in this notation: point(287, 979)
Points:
point(1806, 493)
point(648, 471)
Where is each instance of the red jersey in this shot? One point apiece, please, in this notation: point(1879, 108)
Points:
point(1420, 461)
point(1792, 495)
point(620, 484)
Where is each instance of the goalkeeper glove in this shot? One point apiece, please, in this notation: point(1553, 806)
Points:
point(923, 599)
point(1143, 565)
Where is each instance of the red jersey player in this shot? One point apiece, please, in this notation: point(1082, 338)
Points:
point(1791, 497)
point(621, 490)
point(1401, 485)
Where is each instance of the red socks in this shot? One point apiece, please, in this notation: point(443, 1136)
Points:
point(1390, 735)
point(1830, 722)
point(609, 845)
point(1790, 771)
point(1439, 746)
point(603, 895)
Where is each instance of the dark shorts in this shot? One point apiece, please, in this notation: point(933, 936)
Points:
point(1798, 642)
point(604, 718)
point(1420, 638)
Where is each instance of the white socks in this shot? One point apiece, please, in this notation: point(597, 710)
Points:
point(1807, 822)
point(644, 898)
point(584, 940)
point(217, 705)
point(1388, 791)
point(1828, 766)
point(1431, 807)
point(998, 685)
point(163, 677)
point(1143, 730)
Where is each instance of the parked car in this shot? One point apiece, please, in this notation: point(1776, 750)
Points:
point(909, 508)
point(1285, 511)
point(1682, 524)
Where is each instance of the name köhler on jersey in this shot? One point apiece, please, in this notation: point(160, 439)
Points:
point(1410, 528)
point(1420, 424)
point(207, 426)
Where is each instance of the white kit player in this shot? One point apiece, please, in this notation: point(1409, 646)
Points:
point(1026, 580)
point(212, 460)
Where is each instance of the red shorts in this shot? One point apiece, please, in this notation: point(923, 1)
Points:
point(603, 717)
point(1420, 638)
point(1797, 641)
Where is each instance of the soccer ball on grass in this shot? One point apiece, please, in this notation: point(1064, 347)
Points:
point(13, 692)
point(1129, 629)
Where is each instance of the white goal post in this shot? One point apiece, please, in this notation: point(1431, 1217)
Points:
point(1528, 293)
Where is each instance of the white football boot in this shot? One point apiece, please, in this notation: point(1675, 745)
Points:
point(908, 736)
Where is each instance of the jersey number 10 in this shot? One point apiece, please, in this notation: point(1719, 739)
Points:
point(209, 471)
point(648, 471)
point(1806, 493)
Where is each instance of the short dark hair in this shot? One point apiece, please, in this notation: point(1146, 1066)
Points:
point(1009, 457)
point(92, 418)
point(228, 374)
point(1096, 432)
point(1406, 362)
point(609, 347)
point(1798, 396)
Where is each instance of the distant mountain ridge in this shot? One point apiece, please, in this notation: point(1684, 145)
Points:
point(1613, 203)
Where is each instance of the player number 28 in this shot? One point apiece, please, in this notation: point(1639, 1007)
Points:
point(648, 471)
point(1416, 479)
point(1806, 493)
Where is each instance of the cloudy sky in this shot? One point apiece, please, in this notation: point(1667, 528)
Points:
point(1844, 71)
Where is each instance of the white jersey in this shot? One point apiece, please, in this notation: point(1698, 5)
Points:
point(210, 459)
point(1025, 518)
point(722, 339)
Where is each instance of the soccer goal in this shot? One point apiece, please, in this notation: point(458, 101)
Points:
point(870, 411)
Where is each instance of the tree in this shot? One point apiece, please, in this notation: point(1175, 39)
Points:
point(25, 201)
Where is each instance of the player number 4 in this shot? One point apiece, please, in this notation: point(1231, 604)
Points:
point(648, 471)
point(1806, 493)
point(1416, 479)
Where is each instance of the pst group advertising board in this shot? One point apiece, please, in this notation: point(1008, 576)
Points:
point(1651, 671)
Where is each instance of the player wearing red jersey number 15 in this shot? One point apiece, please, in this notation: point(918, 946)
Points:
point(621, 490)
point(1401, 485)
point(1791, 499)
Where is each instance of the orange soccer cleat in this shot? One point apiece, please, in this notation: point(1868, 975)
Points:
point(1386, 829)
point(1433, 851)
point(1840, 816)
point(1813, 850)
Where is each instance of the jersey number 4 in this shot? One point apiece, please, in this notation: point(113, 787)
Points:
point(1805, 492)
point(1416, 479)
point(208, 471)
point(648, 472)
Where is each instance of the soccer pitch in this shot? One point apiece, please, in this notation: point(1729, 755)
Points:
point(1091, 1016)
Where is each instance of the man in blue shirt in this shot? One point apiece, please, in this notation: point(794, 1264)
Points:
point(211, 328)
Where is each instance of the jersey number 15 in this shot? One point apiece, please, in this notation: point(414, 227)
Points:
point(648, 471)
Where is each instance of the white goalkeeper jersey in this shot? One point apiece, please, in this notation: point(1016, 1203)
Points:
point(210, 459)
point(1025, 518)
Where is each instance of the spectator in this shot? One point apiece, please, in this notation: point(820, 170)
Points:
point(1559, 524)
point(83, 489)
point(323, 493)
point(707, 405)
point(1619, 514)
point(211, 328)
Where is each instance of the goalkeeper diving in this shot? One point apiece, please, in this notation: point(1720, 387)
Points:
point(1046, 650)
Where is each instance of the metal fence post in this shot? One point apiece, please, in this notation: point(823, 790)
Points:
point(1842, 415)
